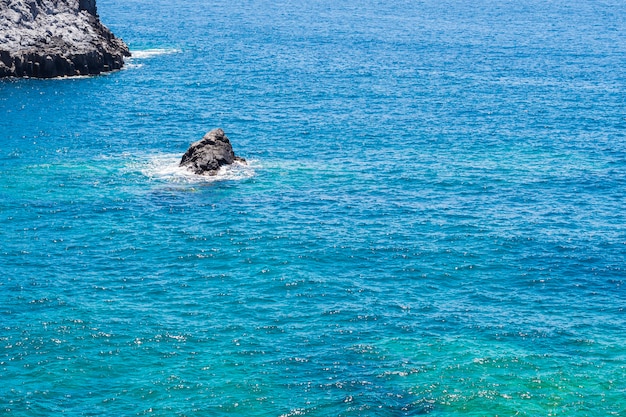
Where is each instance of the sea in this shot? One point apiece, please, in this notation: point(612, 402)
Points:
point(431, 220)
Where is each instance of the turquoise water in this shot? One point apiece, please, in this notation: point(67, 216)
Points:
point(432, 219)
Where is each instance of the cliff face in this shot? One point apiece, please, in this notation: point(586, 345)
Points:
point(88, 5)
point(56, 38)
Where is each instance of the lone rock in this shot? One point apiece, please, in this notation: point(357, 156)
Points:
point(206, 156)
point(56, 38)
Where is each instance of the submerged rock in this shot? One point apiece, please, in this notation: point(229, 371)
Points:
point(206, 156)
point(56, 38)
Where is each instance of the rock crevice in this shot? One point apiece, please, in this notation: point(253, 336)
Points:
point(55, 38)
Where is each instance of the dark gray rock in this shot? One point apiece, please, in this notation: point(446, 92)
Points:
point(88, 5)
point(56, 38)
point(206, 156)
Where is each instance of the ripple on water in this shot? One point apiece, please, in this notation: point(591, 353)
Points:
point(166, 168)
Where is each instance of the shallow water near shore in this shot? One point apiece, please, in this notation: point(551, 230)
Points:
point(431, 221)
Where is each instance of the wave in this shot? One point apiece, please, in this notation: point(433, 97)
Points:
point(151, 53)
point(166, 168)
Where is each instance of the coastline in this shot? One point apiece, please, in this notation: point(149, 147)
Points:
point(56, 39)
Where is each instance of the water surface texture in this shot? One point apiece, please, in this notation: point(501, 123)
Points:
point(431, 222)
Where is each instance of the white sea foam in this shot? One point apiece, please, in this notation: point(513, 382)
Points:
point(131, 65)
point(166, 168)
point(134, 62)
point(151, 53)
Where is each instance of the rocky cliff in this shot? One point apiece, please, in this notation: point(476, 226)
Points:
point(56, 38)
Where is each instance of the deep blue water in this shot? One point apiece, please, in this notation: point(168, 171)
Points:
point(431, 222)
